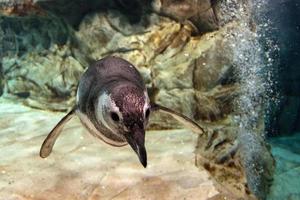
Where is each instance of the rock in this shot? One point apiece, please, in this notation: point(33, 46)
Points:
point(216, 104)
point(71, 11)
point(20, 8)
point(217, 152)
point(74, 11)
point(148, 50)
point(37, 61)
point(175, 99)
point(21, 35)
point(224, 156)
point(200, 13)
point(45, 78)
point(117, 36)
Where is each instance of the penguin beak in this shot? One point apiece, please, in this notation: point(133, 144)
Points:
point(136, 139)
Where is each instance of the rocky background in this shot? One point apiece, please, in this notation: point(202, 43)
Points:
point(185, 51)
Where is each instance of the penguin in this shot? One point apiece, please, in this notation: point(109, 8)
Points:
point(112, 103)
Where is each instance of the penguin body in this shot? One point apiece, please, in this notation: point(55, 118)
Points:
point(113, 104)
point(107, 83)
point(104, 75)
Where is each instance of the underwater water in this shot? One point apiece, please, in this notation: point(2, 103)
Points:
point(222, 78)
point(284, 129)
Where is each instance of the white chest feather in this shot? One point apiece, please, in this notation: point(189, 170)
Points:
point(103, 100)
point(92, 129)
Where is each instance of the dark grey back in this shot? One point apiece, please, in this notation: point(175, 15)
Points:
point(104, 75)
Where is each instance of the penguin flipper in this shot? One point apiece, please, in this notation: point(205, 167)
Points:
point(49, 142)
point(186, 121)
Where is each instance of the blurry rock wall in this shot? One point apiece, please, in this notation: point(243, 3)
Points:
point(183, 49)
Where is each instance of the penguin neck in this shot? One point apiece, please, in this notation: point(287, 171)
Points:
point(101, 103)
point(109, 133)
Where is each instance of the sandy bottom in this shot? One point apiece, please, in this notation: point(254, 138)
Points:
point(82, 167)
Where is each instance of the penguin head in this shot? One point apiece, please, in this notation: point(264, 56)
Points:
point(125, 112)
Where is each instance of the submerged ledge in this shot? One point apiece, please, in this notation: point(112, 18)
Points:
point(80, 167)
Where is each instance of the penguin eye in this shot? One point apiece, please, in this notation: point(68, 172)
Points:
point(114, 116)
point(147, 113)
